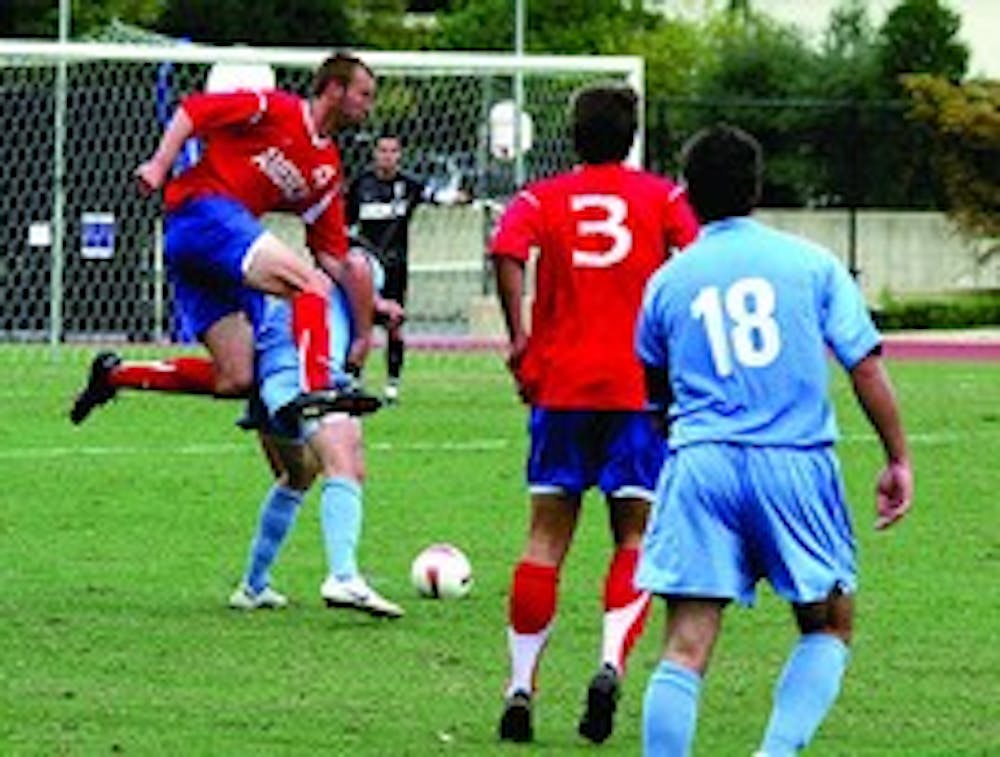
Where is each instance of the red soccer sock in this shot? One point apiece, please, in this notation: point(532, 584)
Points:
point(625, 608)
point(312, 338)
point(531, 610)
point(532, 597)
point(184, 375)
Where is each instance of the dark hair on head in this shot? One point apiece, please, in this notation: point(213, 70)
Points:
point(604, 120)
point(388, 134)
point(723, 167)
point(338, 67)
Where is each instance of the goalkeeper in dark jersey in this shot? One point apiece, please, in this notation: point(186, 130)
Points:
point(380, 204)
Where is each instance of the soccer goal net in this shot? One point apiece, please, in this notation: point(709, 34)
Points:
point(80, 250)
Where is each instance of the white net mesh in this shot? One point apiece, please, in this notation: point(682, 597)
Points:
point(79, 248)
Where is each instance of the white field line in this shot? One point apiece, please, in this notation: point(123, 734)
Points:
point(469, 446)
point(192, 450)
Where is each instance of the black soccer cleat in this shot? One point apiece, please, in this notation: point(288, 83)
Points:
point(352, 400)
point(515, 724)
point(602, 700)
point(98, 389)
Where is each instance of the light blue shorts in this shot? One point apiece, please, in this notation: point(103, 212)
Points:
point(573, 450)
point(205, 243)
point(727, 516)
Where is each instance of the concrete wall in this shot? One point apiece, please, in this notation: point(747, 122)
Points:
point(899, 253)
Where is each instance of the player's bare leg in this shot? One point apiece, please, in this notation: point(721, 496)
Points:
point(810, 681)
point(230, 342)
point(226, 372)
point(337, 445)
point(532, 604)
point(294, 468)
point(670, 707)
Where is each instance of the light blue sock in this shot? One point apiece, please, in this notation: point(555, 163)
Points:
point(277, 514)
point(806, 691)
point(670, 710)
point(340, 518)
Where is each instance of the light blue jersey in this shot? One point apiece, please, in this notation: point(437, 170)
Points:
point(742, 321)
point(748, 312)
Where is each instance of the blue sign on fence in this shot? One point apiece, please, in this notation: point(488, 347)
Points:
point(97, 236)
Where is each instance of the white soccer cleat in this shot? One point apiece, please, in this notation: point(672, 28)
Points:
point(355, 594)
point(391, 393)
point(265, 599)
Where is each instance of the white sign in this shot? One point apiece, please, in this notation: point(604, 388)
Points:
point(40, 234)
point(502, 130)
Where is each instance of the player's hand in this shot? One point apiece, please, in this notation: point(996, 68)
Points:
point(893, 494)
point(391, 312)
point(358, 354)
point(150, 177)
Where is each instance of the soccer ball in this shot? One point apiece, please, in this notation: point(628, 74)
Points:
point(442, 571)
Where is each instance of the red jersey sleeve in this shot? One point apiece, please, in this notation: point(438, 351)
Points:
point(217, 111)
point(679, 219)
point(517, 231)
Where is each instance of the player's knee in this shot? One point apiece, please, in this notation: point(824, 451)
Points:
point(232, 383)
point(689, 652)
point(834, 615)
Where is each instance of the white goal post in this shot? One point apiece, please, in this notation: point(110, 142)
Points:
point(79, 249)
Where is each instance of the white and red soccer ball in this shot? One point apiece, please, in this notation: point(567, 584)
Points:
point(441, 571)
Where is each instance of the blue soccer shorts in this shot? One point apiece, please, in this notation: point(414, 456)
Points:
point(206, 244)
point(727, 516)
point(572, 450)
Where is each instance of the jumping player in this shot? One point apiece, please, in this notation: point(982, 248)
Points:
point(263, 151)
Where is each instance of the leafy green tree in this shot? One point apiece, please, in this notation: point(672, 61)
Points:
point(756, 73)
point(965, 119)
point(920, 36)
point(381, 25)
point(558, 26)
point(309, 23)
point(40, 18)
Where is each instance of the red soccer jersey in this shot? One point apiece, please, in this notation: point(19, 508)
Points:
point(260, 148)
point(600, 231)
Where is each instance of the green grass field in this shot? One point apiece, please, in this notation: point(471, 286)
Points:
point(122, 539)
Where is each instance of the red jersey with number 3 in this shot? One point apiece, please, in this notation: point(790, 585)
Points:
point(260, 149)
point(600, 232)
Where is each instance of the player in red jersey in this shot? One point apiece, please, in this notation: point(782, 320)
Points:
point(600, 230)
point(265, 150)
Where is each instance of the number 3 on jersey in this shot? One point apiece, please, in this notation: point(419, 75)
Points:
point(611, 226)
point(753, 339)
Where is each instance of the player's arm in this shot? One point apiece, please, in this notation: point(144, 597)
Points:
point(872, 387)
point(326, 237)
point(153, 173)
point(509, 272)
point(196, 115)
point(658, 396)
point(354, 274)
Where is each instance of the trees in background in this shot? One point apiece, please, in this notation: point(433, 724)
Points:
point(832, 117)
point(965, 120)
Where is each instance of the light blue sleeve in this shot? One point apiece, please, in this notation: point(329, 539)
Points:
point(847, 325)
